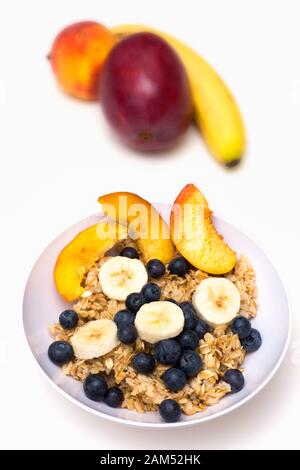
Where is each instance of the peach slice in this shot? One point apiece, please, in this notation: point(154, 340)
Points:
point(194, 235)
point(81, 253)
point(144, 224)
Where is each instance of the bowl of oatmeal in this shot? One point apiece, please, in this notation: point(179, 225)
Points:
point(193, 347)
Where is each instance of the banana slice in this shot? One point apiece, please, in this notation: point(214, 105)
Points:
point(120, 276)
point(94, 339)
point(159, 320)
point(217, 301)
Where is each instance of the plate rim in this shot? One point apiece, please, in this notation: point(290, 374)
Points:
point(163, 425)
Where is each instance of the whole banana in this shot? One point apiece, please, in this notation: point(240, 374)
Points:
point(216, 112)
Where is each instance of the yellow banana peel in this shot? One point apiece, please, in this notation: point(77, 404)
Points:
point(216, 112)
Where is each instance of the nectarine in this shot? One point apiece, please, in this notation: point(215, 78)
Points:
point(81, 253)
point(77, 56)
point(194, 235)
point(143, 222)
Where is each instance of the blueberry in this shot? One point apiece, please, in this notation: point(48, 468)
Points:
point(95, 387)
point(134, 302)
point(167, 351)
point(124, 317)
point(155, 268)
point(114, 397)
point(188, 339)
point(170, 411)
point(190, 363)
point(68, 319)
point(174, 379)
point(253, 341)
point(235, 379)
point(127, 333)
point(179, 266)
point(60, 352)
point(151, 292)
point(172, 300)
point(190, 319)
point(143, 363)
point(201, 328)
point(241, 327)
point(129, 252)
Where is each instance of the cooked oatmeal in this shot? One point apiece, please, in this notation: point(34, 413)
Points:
point(219, 350)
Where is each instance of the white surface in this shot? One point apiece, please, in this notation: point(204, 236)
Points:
point(57, 156)
point(274, 326)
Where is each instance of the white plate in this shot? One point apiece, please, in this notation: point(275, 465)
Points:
point(42, 305)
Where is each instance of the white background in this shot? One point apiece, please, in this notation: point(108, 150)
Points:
point(57, 156)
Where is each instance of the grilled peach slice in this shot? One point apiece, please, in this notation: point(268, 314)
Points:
point(194, 235)
point(81, 253)
point(144, 224)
